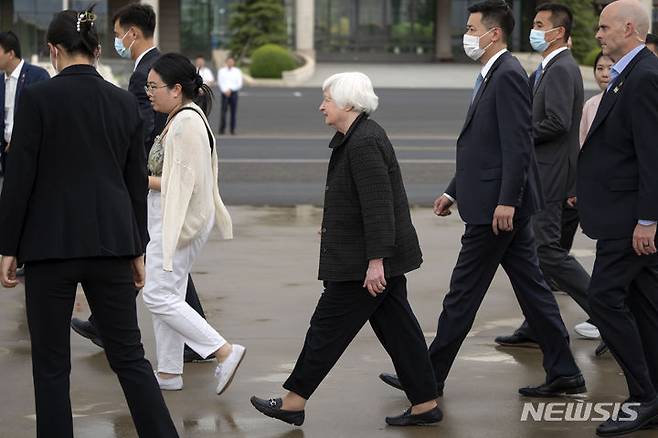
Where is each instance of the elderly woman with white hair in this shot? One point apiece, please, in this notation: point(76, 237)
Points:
point(368, 244)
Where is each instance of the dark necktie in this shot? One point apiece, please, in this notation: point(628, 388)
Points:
point(538, 73)
point(478, 84)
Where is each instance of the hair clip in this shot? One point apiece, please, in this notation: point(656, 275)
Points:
point(85, 17)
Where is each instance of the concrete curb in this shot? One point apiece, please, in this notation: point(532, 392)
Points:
point(292, 78)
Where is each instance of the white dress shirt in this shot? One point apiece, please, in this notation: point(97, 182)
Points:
point(206, 75)
point(229, 79)
point(552, 55)
point(139, 58)
point(11, 85)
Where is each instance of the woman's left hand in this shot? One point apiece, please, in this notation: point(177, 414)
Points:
point(155, 183)
point(375, 281)
point(8, 271)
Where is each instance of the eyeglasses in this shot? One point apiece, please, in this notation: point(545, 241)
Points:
point(150, 87)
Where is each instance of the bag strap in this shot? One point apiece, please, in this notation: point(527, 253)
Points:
point(211, 138)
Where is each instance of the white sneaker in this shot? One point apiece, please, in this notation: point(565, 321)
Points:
point(173, 384)
point(226, 370)
point(587, 330)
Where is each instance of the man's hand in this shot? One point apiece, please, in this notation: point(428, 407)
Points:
point(8, 147)
point(442, 206)
point(375, 281)
point(8, 271)
point(572, 201)
point(138, 271)
point(644, 239)
point(228, 92)
point(503, 219)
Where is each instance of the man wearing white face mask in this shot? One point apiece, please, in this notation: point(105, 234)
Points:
point(557, 86)
point(498, 190)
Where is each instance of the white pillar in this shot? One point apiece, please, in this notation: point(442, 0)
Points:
point(155, 4)
point(443, 32)
point(305, 26)
point(65, 5)
point(649, 5)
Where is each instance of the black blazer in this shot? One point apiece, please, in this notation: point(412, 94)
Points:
point(154, 122)
point(617, 177)
point(496, 162)
point(557, 108)
point(366, 212)
point(76, 184)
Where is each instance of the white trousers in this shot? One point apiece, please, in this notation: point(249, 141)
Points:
point(175, 323)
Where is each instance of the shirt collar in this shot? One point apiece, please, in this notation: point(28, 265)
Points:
point(17, 71)
point(490, 63)
point(551, 56)
point(620, 65)
point(139, 58)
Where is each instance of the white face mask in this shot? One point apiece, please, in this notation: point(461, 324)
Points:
point(472, 45)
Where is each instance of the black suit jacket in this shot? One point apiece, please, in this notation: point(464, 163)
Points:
point(366, 212)
point(496, 162)
point(557, 108)
point(617, 177)
point(154, 122)
point(76, 184)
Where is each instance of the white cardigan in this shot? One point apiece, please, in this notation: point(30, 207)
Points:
point(190, 187)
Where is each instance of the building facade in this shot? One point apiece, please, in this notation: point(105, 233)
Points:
point(330, 30)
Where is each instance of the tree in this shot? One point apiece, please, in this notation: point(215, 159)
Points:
point(254, 23)
point(584, 28)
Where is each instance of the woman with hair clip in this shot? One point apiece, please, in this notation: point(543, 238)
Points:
point(183, 206)
point(73, 210)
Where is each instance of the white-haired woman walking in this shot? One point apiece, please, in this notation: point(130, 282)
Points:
point(368, 245)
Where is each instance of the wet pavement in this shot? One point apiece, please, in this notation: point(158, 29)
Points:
point(260, 290)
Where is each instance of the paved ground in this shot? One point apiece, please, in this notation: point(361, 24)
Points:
point(260, 290)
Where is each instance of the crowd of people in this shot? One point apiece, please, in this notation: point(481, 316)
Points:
point(118, 191)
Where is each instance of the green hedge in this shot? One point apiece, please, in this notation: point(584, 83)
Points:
point(591, 56)
point(270, 61)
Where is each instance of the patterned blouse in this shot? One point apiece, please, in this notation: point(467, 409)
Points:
point(156, 157)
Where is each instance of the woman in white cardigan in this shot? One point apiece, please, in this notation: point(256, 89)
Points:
point(183, 206)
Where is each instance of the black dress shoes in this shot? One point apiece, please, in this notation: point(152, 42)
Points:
point(392, 380)
point(647, 415)
point(601, 349)
point(518, 339)
point(190, 355)
point(87, 330)
point(272, 408)
point(557, 388)
point(408, 419)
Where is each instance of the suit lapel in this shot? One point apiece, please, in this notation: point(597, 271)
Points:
point(19, 86)
point(485, 82)
point(550, 63)
point(611, 96)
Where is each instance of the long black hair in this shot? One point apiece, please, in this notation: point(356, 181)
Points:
point(75, 32)
point(175, 68)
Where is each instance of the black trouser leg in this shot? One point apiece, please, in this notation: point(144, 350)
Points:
point(192, 298)
point(109, 290)
point(476, 266)
point(49, 298)
point(343, 309)
point(555, 261)
point(233, 100)
point(537, 302)
point(222, 114)
point(570, 221)
point(619, 276)
point(398, 330)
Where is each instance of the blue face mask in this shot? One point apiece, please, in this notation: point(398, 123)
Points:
point(121, 50)
point(538, 40)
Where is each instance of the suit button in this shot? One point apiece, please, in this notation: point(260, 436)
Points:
point(323, 250)
point(324, 230)
point(326, 188)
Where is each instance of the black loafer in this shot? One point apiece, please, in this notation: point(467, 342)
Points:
point(407, 419)
point(190, 355)
point(392, 380)
point(647, 415)
point(601, 349)
point(87, 330)
point(272, 408)
point(557, 388)
point(518, 339)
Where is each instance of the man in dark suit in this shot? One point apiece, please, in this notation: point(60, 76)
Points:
point(16, 75)
point(618, 203)
point(557, 107)
point(134, 26)
point(498, 190)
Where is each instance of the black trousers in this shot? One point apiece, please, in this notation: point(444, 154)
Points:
point(555, 261)
point(481, 254)
point(50, 289)
point(232, 103)
point(623, 297)
point(570, 222)
point(343, 309)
